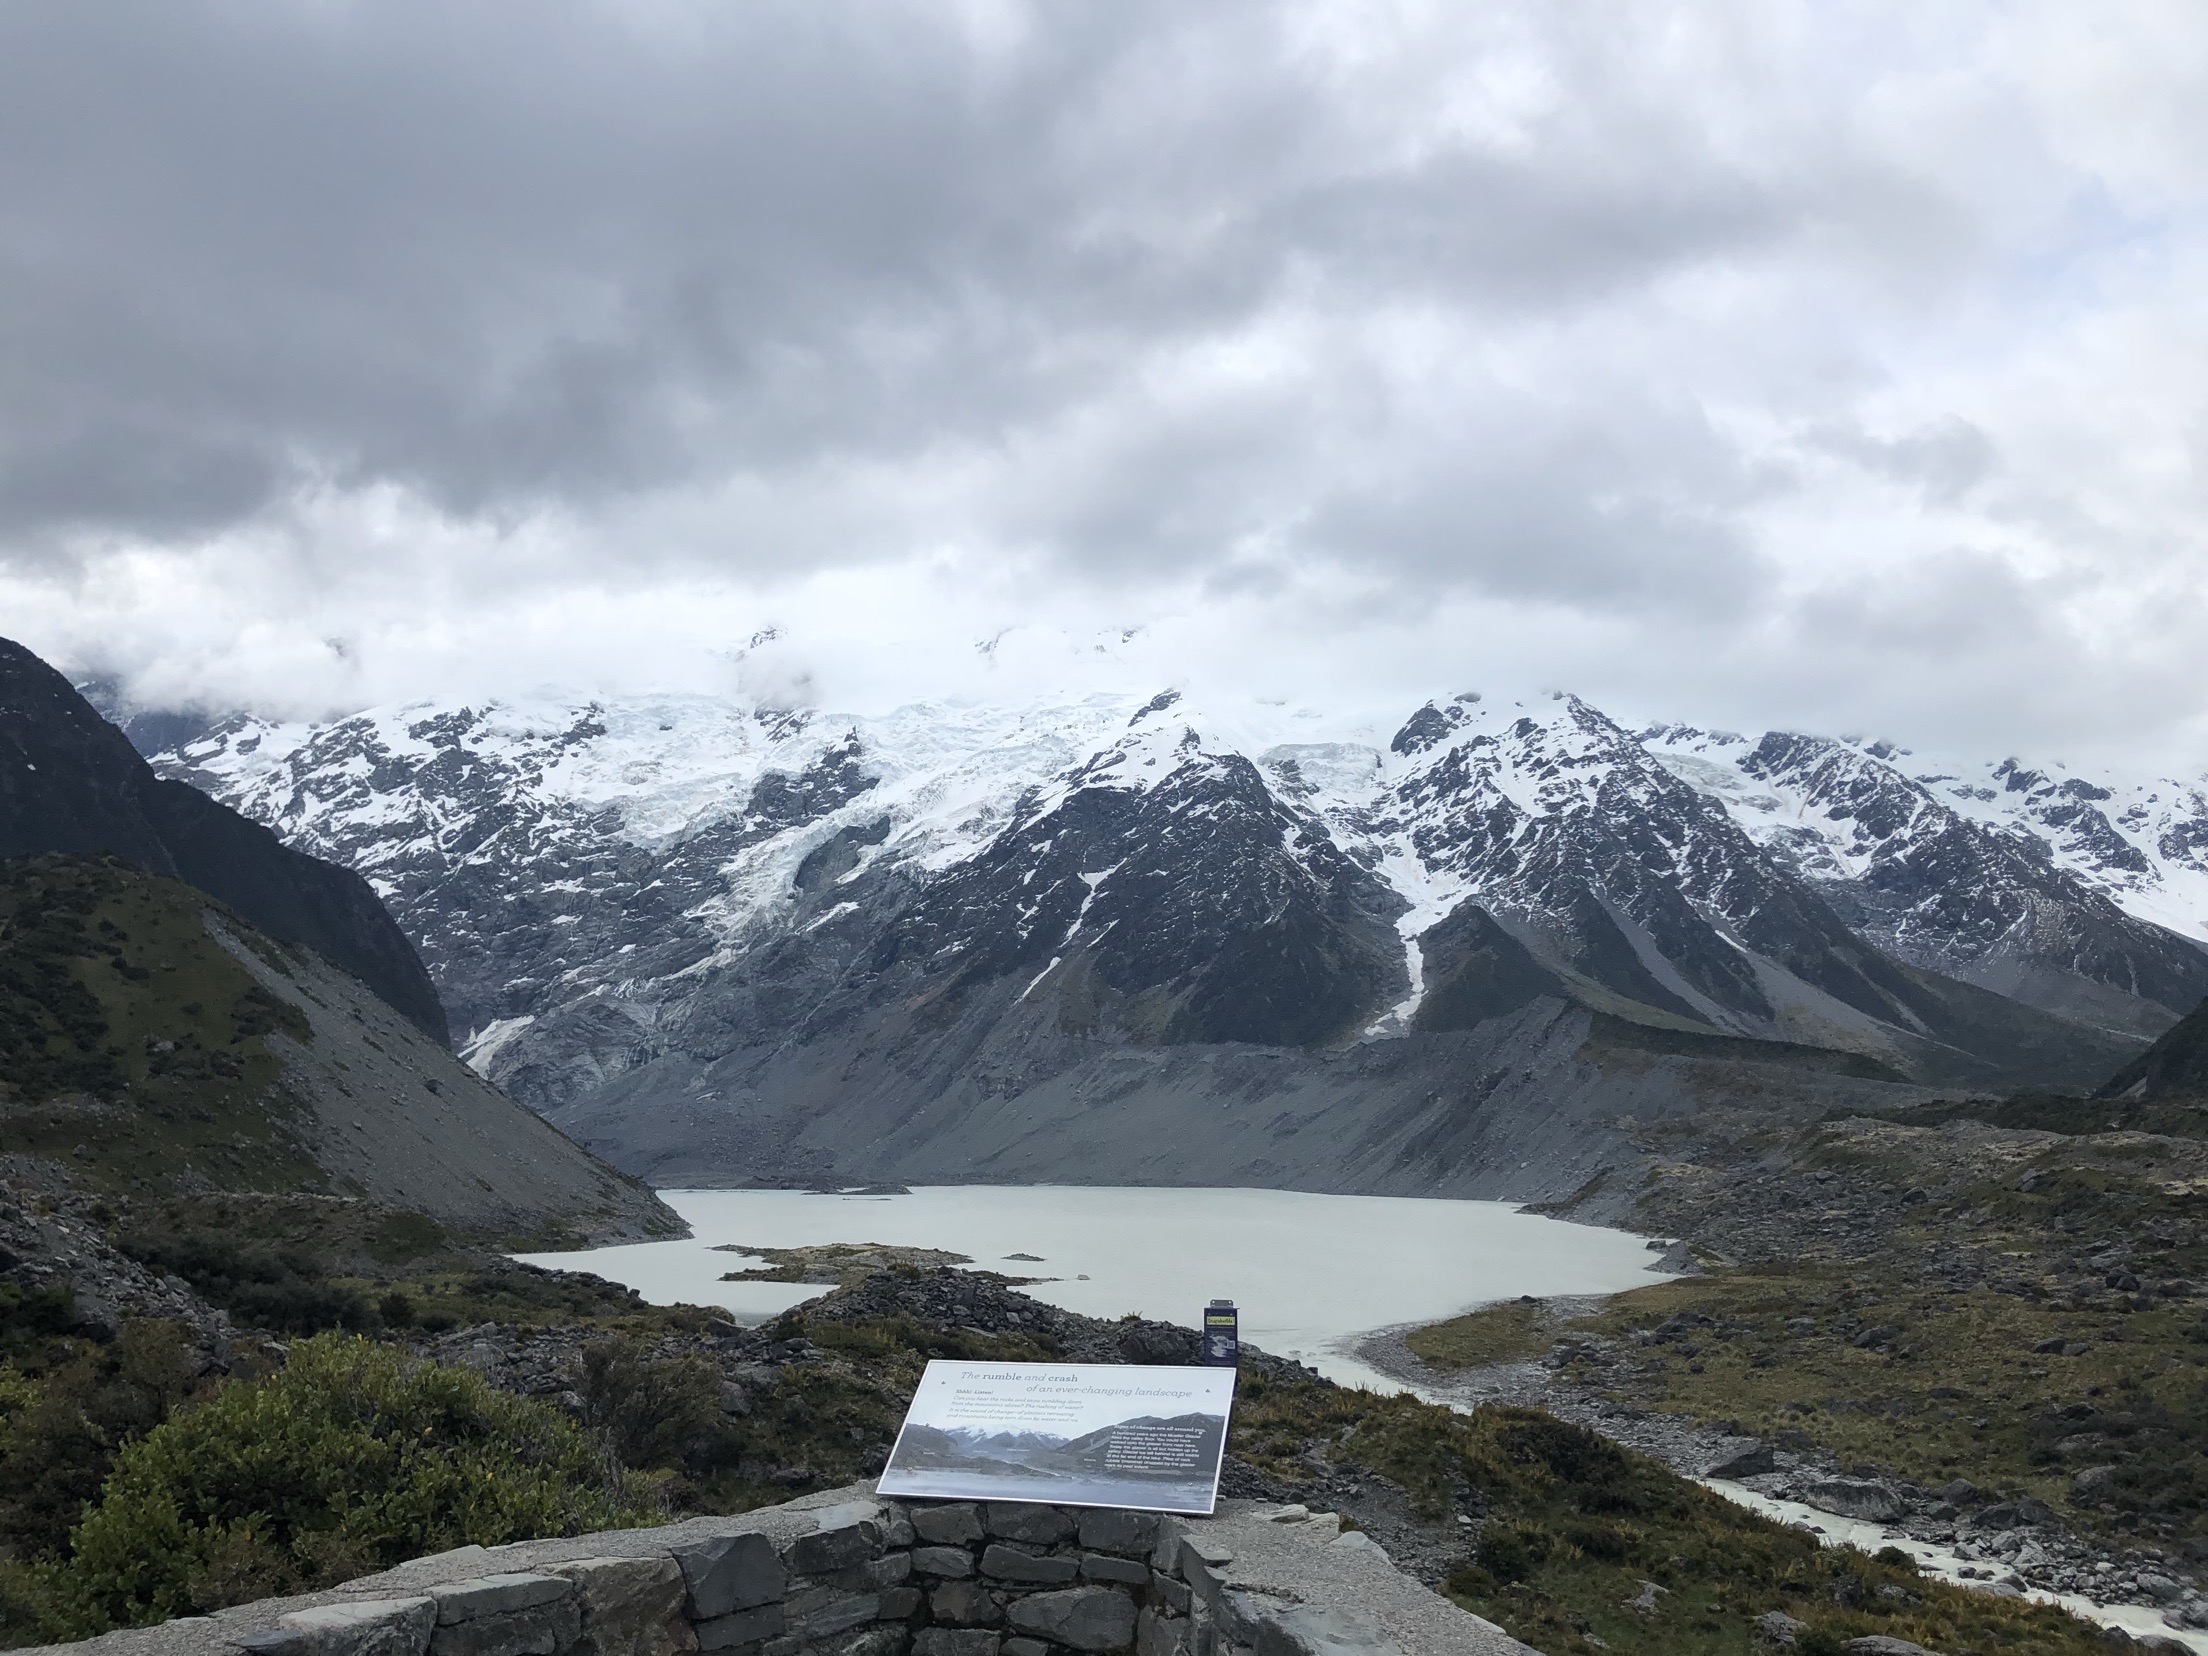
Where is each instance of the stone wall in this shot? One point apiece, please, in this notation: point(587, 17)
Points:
point(862, 1576)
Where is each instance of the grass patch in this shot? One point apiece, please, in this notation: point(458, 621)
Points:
point(1577, 1530)
point(1926, 1384)
point(1507, 1333)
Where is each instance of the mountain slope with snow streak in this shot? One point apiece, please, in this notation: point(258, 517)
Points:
point(717, 940)
point(1918, 864)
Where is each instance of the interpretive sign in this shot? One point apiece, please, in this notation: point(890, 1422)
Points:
point(1073, 1434)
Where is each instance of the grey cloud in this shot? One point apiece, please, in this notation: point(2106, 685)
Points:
point(514, 255)
point(1946, 459)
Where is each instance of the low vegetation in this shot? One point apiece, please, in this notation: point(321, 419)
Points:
point(135, 1049)
point(2038, 1333)
point(351, 1457)
point(1582, 1541)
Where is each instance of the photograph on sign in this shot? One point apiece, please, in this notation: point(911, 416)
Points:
point(1074, 1434)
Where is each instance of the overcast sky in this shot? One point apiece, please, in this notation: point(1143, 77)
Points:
point(1837, 366)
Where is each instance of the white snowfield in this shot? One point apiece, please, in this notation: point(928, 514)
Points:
point(1437, 812)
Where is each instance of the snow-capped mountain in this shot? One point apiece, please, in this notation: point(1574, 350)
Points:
point(2013, 881)
point(760, 940)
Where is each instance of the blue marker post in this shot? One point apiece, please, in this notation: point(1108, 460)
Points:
point(1222, 1336)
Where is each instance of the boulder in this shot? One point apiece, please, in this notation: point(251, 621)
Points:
point(2093, 1483)
point(1739, 1457)
point(2003, 1515)
point(1885, 1644)
point(1340, 1631)
point(1776, 1627)
point(1871, 1500)
point(1086, 1618)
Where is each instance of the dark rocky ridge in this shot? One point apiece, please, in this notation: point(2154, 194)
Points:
point(2175, 1068)
point(72, 782)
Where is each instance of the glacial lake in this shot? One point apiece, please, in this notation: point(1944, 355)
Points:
point(1310, 1274)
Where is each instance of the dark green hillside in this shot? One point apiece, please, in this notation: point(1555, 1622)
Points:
point(71, 782)
point(133, 1047)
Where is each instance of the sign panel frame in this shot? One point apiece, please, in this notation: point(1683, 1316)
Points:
point(1151, 1439)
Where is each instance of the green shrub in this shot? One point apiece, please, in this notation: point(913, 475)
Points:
point(1511, 1552)
point(61, 1430)
point(648, 1412)
point(284, 1289)
point(353, 1458)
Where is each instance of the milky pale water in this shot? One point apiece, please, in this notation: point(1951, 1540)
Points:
point(1310, 1273)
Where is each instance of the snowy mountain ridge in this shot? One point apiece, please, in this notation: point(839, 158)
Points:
point(631, 904)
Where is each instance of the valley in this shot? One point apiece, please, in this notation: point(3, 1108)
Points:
point(1906, 1061)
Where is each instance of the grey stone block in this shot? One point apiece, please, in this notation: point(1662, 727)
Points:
point(1087, 1618)
point(898, 1603)
point(1026, 1647)
point(890, 1640)
point(630, 1606)
point(1028, 1521)
point(889, 1570)
point(1174, 1595)
point(367, 1627)
point(1131, 1534)
point(1011, 1564)
point(727, 1573)
point(1206, 1551)
point(1157, 1635)
point(1104, 1567)
point(948, 1523)
point(847, 1536)
point(1237, 1611)
point(1339, 1631)
point(954, 1641)
point(965, 1604)
point(497, 1595)
point(948, 1562)
point(816, 1612)
point(540, 1630)
point(741, 1627)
